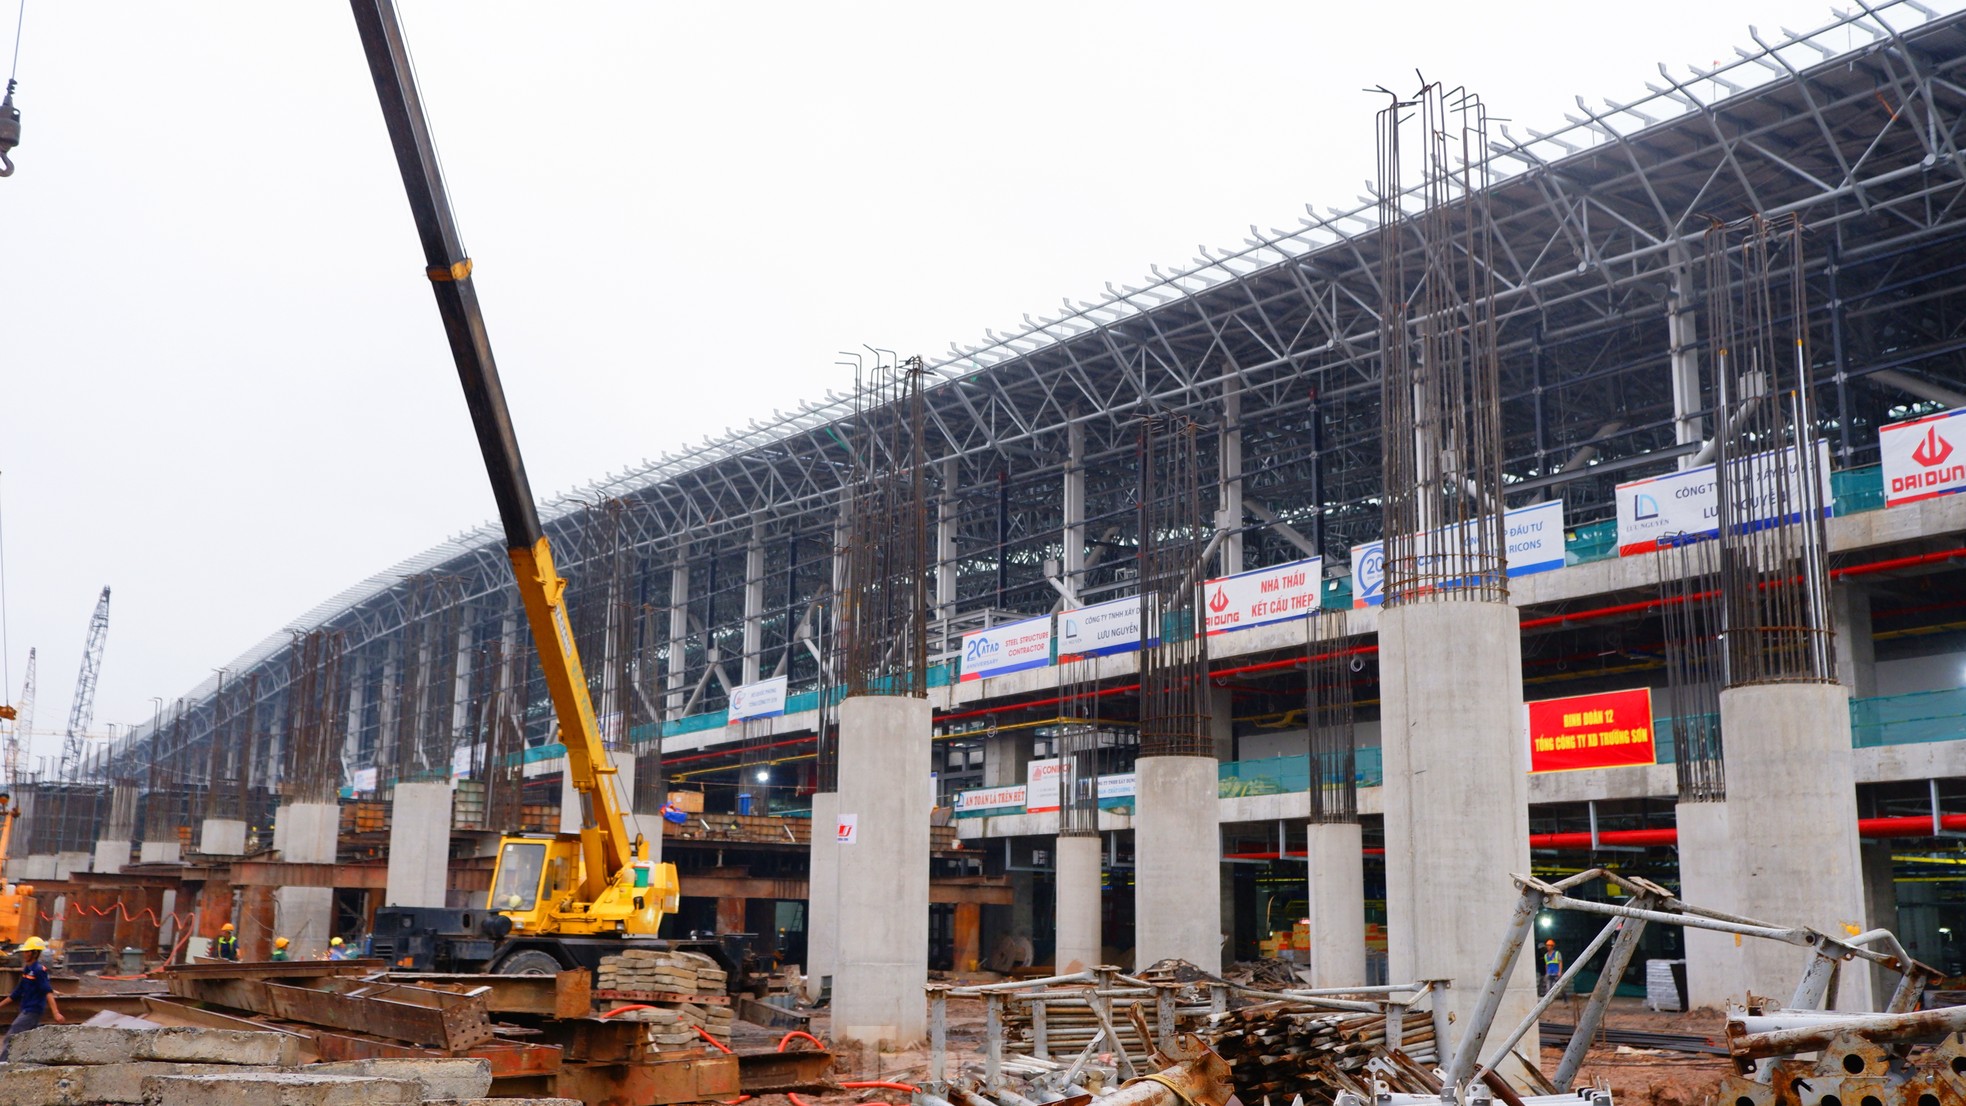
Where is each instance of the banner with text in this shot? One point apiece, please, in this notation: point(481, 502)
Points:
point(983, 801)
point(1041, 779)
point(1655, 512)
point(1099, 630)
point(1612, 729)
point(1012, 647)
point(1264, 596)
point(1924, 457)
point(1533, 534)
point(764, 699)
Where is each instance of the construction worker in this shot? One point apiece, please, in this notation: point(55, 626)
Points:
point(337, 950)
point(1552, 968)
point(35, 993)
point(228, 943)
point(279, 949)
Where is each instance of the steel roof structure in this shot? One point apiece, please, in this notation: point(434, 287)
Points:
point(1854, 128)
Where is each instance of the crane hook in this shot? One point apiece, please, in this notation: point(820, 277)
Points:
point(9, 130)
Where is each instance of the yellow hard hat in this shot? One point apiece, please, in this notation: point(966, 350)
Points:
point(33, 944)
point(279, 942)
point(226, 928)
point(335, 941)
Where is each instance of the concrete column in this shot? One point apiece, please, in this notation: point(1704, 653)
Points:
point(1071, 568)
point(113, 847)
point(946, 549)
point(160, 852)
point(1457, 797)
point(419, 844)
point(71, 862)
point(1006, 759)
point(1222, 721)
point(1880, 907)
point(1079, 935)
point(1856, 642)
point(1336, 852)
point(306, 833)
point(1683, 343)
point(222, 837)
point(754, 608)
point(1229, 456)
point(1706, 879)
point(1177, 858)
point(822, 894)
point(1795, 832)
point(677, 679)
point(883, 919)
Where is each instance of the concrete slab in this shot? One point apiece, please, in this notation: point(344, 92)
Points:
point(23, 1084)
point(279, 1089)
point(447, 1080)
point(103, 1044)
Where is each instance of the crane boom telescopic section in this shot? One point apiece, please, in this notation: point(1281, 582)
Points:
point(599, 901)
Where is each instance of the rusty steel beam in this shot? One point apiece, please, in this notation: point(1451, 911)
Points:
point(568, 994)
point(793, 1072)
point(433, 1019)
point(365, 876)
point(659, 1082)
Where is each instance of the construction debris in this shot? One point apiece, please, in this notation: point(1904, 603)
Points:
point(1281, 1049)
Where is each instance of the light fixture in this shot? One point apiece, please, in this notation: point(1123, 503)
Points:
point(1545, 921)
point(764, 775)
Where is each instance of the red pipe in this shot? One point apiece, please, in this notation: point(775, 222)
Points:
point(1917, 825)
point(1901, 562)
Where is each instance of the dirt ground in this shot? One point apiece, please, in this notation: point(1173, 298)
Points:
point(1645, 1077)
point(1637, 1077)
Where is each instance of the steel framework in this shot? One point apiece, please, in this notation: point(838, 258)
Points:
point(1274, 343)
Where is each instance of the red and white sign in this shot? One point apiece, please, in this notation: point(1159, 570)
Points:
point(1924, 457)
point(847, 832)
point(1263, 596)
point(1041, 780)
point(1612, 729)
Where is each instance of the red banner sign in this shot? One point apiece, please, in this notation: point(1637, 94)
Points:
point(1609, 730)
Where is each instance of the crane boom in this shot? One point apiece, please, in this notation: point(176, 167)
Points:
point(604, 844)
point(83, 710)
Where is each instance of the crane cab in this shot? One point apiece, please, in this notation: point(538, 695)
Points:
point(537, 884)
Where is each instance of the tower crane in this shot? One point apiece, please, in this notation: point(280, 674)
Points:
point(16, 751)
point(83, 710)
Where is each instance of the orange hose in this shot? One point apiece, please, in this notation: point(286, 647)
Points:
point(884, 1085)
point(817, 1043)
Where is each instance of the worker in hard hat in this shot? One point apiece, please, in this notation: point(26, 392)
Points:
point(1552, 968)
point(337, 950)
point(34, 994)
point(228, 943)
point(280, 949)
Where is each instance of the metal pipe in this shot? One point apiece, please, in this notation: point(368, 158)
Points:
point(1494, 987)
point(1922, 1025)
point(1554, 992)
point(1622, 950)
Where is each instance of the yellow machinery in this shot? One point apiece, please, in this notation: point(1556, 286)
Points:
point(562, 896)
point(17, 909)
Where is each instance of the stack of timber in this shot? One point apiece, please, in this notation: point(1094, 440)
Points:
point(681, 991)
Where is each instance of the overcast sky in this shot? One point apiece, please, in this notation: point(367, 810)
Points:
point(223, 386)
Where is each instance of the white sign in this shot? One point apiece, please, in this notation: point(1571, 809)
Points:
point(362, 779)
point(1100, 629)
point(764, 699)
point(1118, 786)
point(847, 832)
point(1533, 535)
point(1041, 785)
point(1924, 457)
point(461, 758)
point(1012, 647)
point(1264, 596)
point(985, 799)
point(1656, 512)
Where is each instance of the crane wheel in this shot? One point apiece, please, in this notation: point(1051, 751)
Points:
point(529, 962)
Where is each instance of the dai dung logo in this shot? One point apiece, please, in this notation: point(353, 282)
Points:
point(1933, 451)
point(1221, 601)
point(1645, 507)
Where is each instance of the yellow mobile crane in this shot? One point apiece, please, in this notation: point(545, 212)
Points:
point(557, 900)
